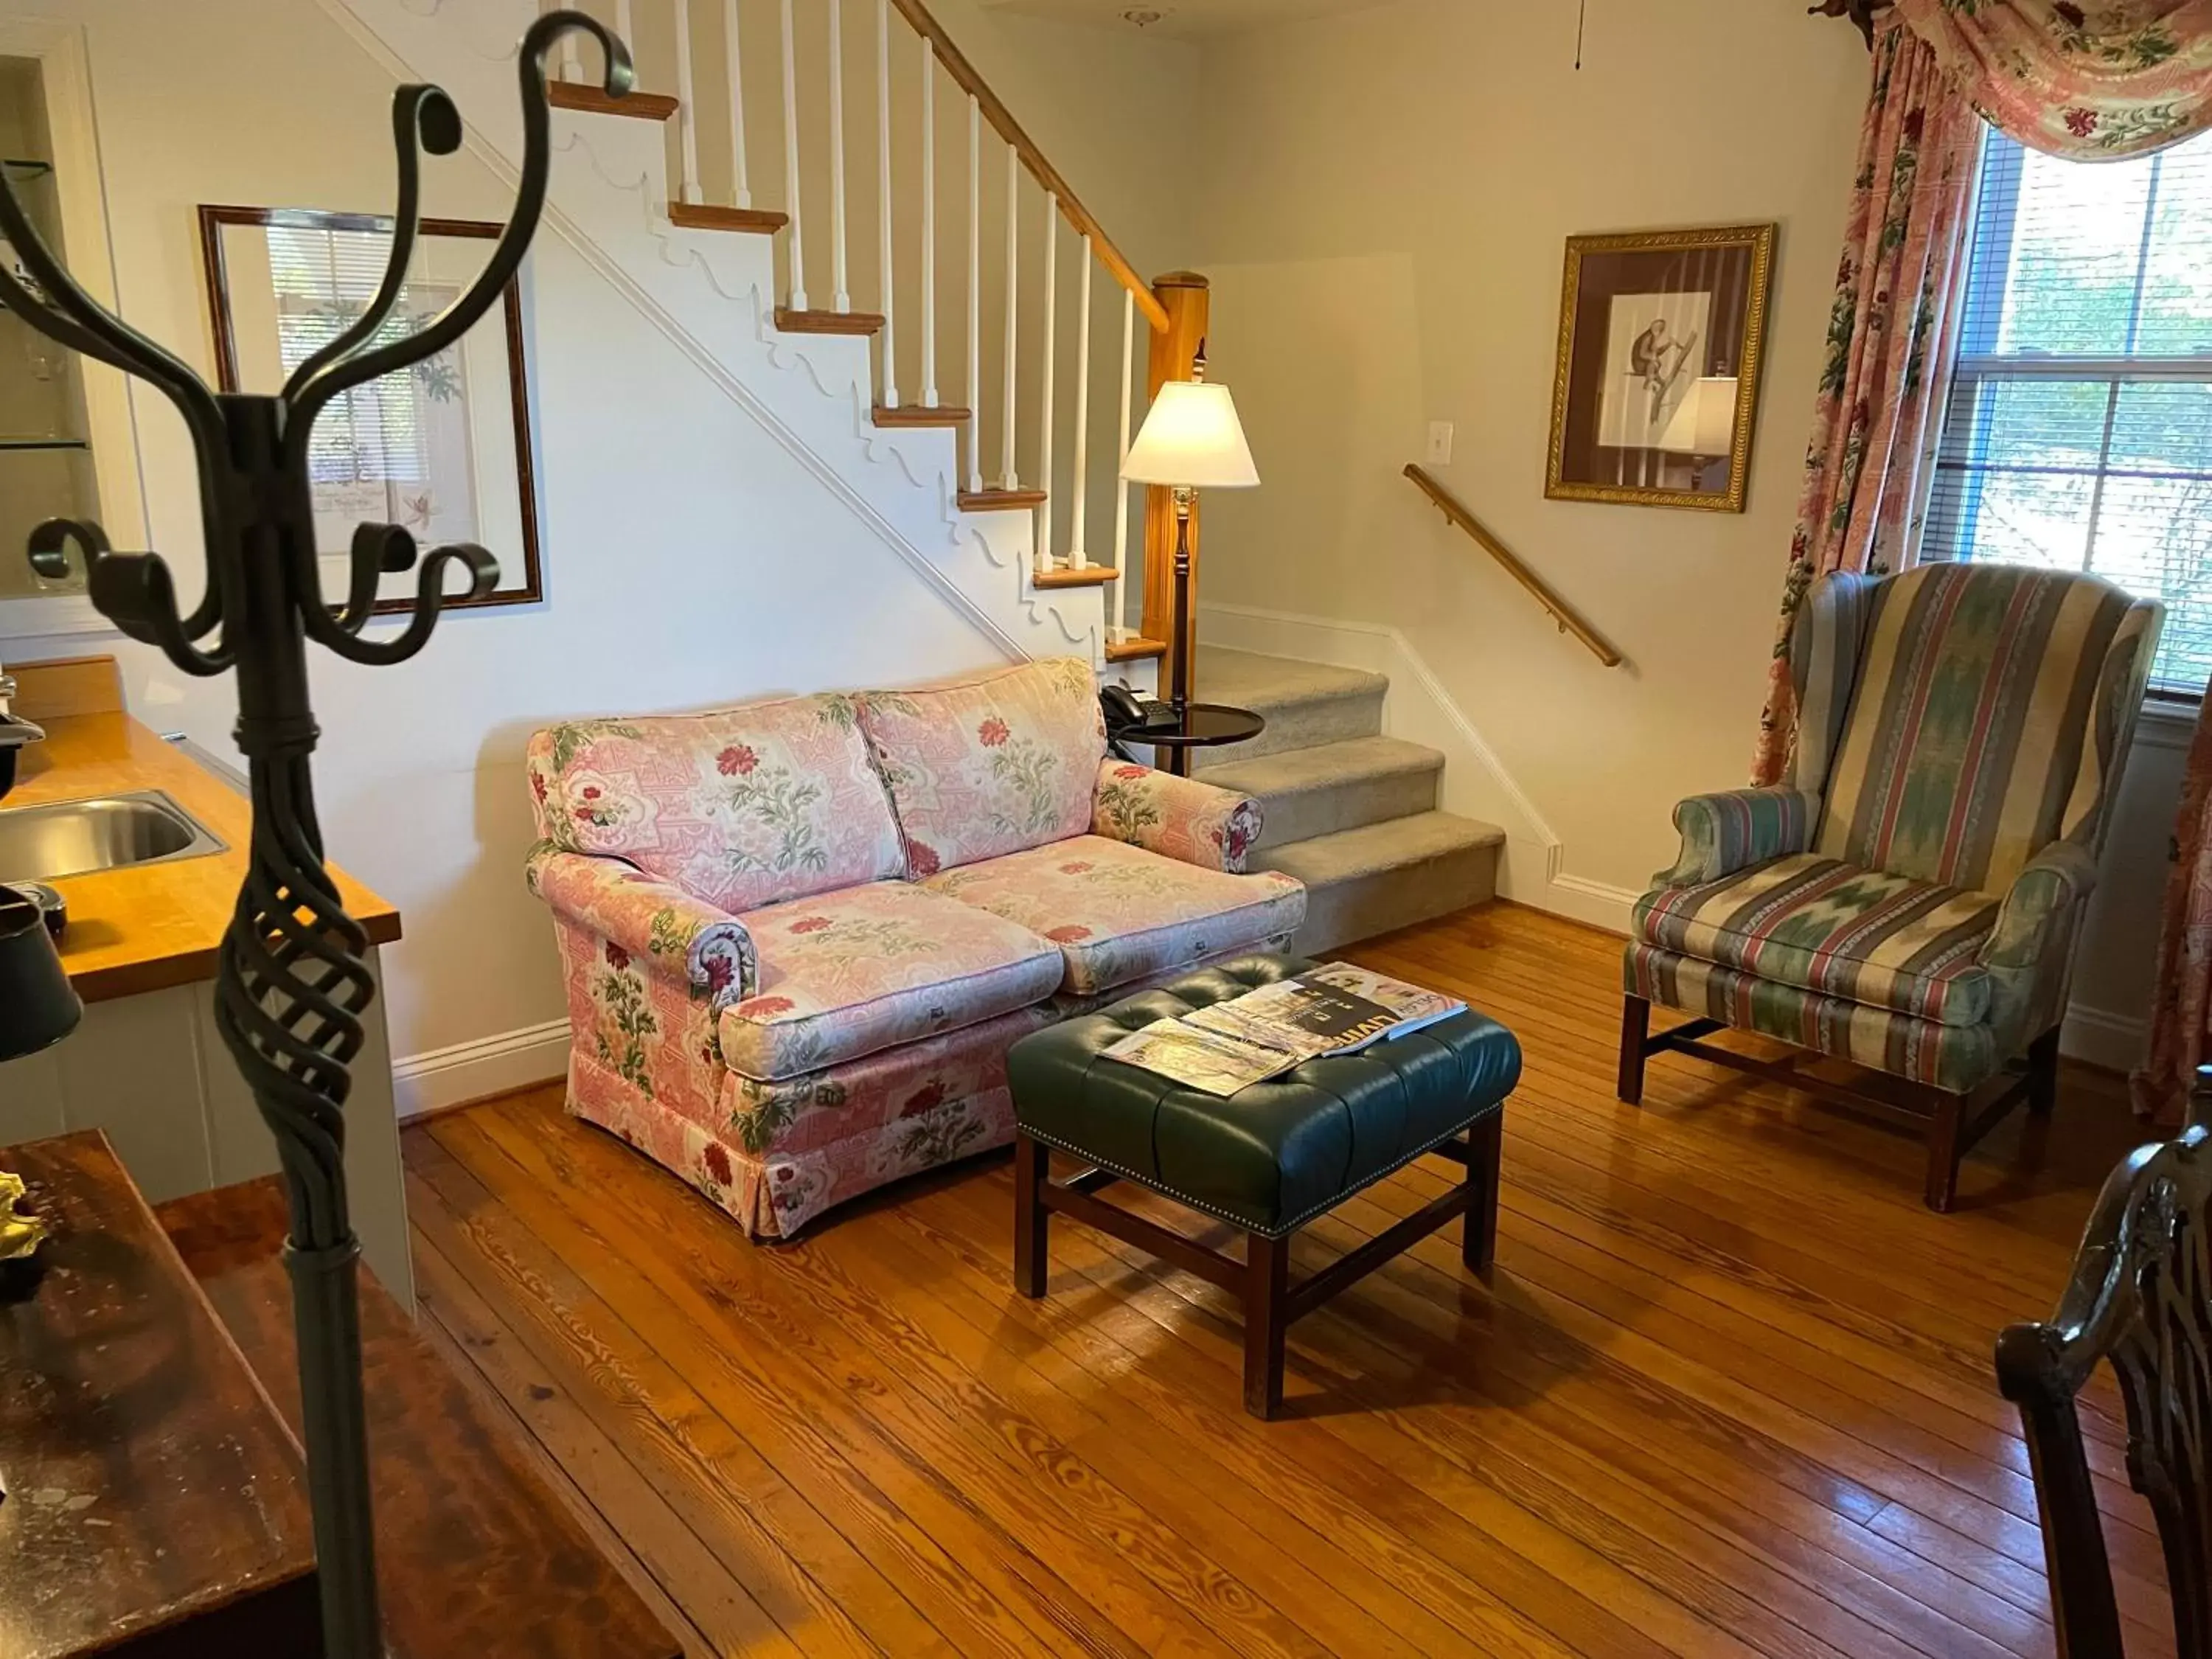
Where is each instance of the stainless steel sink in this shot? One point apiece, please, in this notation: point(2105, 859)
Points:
point(73, 838)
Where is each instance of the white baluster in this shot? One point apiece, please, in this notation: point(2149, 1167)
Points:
point(1045, 421)
point(626, 25)
point(797, 248)
point(842, 300)
point(974, 294)
point(883, 193)
point(687, 124)
point(1121, 455)
point(1076, 558)
point(741, 193)
point(928, 224)
point(1008, 478)
point(572, 60)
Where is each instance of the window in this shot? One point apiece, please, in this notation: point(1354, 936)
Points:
point(2078, 435)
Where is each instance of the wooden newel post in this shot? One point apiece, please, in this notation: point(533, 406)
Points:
point(1184, 295)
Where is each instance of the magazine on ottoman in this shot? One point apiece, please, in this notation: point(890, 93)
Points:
point(1333, 1009)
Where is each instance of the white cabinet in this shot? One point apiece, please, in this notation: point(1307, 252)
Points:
point(152, 1071)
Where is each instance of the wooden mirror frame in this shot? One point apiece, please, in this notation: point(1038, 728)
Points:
point(531, 588)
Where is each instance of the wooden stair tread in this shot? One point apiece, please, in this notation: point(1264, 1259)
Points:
point(704, 215)
point(994, 501)
point(1133, 649)
point(828, 322)
point(638, 106)
point(1094, 575)
point(916, 415)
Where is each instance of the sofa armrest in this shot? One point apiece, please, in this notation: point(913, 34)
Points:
point(1179, 817)
point(655, 922)
point(2029, 953)
point(1736, 828)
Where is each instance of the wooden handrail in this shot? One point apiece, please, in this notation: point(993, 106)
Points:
point(1569, 622)
point(1002, 121)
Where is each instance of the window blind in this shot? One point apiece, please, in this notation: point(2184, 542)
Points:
point(2078, 433)
point(323, 280)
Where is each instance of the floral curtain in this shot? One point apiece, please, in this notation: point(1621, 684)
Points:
point(1904, 246)
point(2090, 80)
point(2181, 1008)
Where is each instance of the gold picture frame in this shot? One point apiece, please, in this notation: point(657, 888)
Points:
point(1656, 389)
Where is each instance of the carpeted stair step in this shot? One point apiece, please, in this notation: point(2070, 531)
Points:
point(1305, 703)
point(1370, 880)
point(1306, 792)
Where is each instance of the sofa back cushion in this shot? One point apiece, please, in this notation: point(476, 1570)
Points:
point(740, 807)
point(989, 765)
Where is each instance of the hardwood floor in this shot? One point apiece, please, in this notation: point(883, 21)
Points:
point(1731, 1395)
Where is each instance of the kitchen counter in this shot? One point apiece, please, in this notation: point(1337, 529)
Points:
point(154, 926)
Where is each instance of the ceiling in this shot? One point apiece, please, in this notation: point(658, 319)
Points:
point(1183, 20)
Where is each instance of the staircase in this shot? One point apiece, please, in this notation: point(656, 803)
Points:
point(1350, 812)
point(823, 205)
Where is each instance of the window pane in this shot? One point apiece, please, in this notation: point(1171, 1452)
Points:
point(2176, 319)
point(2108, 472)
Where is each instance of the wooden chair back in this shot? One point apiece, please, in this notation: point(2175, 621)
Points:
point(2140, 1297)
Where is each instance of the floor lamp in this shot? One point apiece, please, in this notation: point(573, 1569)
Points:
point(1191, 440)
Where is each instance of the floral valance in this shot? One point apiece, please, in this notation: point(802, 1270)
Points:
point(2090, 80)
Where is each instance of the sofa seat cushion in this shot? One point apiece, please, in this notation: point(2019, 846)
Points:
point(844, 975)
point(739, 807)
point(1819, 925)
point(989, 765)
point(1119, 913)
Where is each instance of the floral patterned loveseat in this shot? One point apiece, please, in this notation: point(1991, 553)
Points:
point(800, 936)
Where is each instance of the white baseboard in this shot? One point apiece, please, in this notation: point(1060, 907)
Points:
point(489, 1066)
point(2101, 1037)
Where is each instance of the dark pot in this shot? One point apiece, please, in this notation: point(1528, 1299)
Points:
point(37, 1006)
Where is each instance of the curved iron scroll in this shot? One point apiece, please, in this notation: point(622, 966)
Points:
point(293, 982)
point(2141, 1297)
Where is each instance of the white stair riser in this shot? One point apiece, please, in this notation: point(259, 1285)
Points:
point(714, 294)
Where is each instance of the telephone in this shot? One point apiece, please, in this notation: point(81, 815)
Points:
point(1127, 715)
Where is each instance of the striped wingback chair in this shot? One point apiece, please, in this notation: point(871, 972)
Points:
point(1909, 896)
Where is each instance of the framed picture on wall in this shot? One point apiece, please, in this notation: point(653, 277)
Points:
point(441, 449)
point(1660, 338)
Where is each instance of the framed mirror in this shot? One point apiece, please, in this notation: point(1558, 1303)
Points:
point(441, 449)
point(1661, 335)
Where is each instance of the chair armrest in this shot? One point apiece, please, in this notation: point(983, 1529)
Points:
point(2047, 894)
point(1736, 828)
point(655, 922)
point(2029, 953)
point(1179, 817)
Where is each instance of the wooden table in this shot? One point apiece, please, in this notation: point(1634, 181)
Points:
point(475, 1558)
point(153, 1503)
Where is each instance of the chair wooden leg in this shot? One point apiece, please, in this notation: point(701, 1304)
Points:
point(2043, 1074)
point(1635, 1030)
point(1032, 1169)
point(1944, 1150)
point(1267, 1291)
point(1478, 1245)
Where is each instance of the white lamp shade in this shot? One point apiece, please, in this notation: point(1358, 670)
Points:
point(1192, 437)
point(1705, 424)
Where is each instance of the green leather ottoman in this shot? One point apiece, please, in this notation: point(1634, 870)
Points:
point(1266, 1159)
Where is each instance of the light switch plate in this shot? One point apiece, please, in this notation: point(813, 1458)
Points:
point(1440, 443)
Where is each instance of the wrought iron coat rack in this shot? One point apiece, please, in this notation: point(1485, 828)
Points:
point(292, 985)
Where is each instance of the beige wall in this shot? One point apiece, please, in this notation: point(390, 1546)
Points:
point(1384, 205)
point(690, 559)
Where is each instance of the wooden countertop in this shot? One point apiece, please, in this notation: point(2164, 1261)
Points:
point(159, 925)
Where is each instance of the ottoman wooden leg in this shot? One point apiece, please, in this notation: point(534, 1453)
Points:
point(1478, 1246)
point(1032, 1169)
point(1267, 1319)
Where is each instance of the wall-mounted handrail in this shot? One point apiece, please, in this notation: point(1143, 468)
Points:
point(1561, 612)
point(1002, 121)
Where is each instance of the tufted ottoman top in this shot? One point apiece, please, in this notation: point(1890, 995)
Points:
point(1271, 1157)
